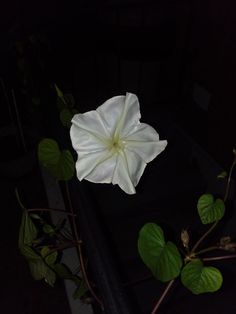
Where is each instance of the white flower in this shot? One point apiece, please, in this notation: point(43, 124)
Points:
point(112, 145)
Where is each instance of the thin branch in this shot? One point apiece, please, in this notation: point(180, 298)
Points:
point(162, 296)
point(204, 236)
point(229, 179)
point(19, 121)
point(30, 210)
point(218, 258)
point(82, 264)
point(212, 248)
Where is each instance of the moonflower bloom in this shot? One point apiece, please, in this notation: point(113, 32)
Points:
point(112, 145)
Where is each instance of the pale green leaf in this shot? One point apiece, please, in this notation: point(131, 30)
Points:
point(210, 210)
point(201, 279)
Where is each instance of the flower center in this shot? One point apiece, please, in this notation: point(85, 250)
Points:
point(116, 144)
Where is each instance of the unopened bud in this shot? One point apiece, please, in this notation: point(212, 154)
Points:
point(185, 238)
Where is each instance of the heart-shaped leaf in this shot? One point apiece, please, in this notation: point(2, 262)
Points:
point(59, 163)
point(201, 279)
point(210, 210)
point(162, 258)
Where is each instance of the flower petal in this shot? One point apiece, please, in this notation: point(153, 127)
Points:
point(85, 142)
point(91, 122)
point(144, 141)
point(96, 167)
point(128, 171)
point(120, 114)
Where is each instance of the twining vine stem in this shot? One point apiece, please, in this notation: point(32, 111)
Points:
point(162, 296)
point(215, 223)
point(82, 264)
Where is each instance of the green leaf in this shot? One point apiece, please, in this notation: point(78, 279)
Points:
point(48, 229)
point(80, 291)
point(162, 258)
point(222, 175)
point(66, 116)
point(35, 216)
point(60, 94)
point(50, 277)
point(29, 253)
point(40, 270)
point(65, 273)
point(201, 279)
point(210, 210)
point(59, 163)
point(28, 232)
point(50, 258)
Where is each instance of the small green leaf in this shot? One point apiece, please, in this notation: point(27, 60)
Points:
point(50, 258)
point(60, 94)
point(48, 229)
point(201, 279)
point(50, 277)
point(66, 116)
point(40, 270)
point(64, 272)
point(210, 210)
point(59, 163)
point(80, 291)
point(162, 258)
point(29, 253)
point(222, 175)
point(35, 216)
point(28, 232)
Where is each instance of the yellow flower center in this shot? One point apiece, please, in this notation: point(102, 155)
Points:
point(116, 144)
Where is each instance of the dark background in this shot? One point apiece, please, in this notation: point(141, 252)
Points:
point(161, 50)
point(180, 43)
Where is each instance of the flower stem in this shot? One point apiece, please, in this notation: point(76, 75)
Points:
point(162, 296)
point(81, 259)
point(218, 258)
point(225, 198)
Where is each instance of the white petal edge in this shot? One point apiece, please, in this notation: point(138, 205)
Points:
point(128, 172)
point(120, 114)
point(144, 141)
point(86, 165)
